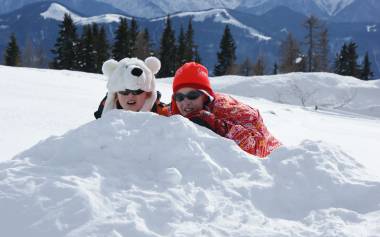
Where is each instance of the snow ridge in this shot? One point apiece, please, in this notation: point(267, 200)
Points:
point(220, 15)
point(57, 12)
point(131, 174)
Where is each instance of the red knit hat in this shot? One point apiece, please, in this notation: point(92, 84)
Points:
point(192, 75)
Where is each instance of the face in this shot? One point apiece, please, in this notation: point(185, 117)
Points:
point(187, 106)
point(133, 102)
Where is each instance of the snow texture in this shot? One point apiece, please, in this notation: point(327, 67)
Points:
point(141, 174)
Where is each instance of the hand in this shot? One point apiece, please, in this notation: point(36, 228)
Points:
point(207, 119)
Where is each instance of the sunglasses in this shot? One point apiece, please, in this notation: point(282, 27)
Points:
point(133, 92)
point(192, 95)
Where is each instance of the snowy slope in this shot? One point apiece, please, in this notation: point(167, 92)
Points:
point(132, 174)
point(332, 7)
point(222, 16)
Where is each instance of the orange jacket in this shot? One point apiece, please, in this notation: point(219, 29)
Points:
point(244, 125)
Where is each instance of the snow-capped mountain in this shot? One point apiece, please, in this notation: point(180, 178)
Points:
point(155, 8)
point(57, 12)
point(85, 7)
point(333, 7)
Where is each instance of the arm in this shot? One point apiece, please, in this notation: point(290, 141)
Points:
point(251, 134)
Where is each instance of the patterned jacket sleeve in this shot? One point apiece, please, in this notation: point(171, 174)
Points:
point(246, 127)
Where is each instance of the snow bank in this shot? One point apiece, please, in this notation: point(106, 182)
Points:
point(308, 89)
point(140, 174)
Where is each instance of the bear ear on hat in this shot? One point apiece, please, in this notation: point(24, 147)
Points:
point(109, 67)
point(153, 63)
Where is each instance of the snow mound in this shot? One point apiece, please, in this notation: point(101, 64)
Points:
point(325, 90)
point(140, 174)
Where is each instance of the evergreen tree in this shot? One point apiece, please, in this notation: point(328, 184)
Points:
point(12, 52)
point(66, 45)
point(86, 51)
point(120, 48)
point(346, 61)
point(226, 56)
point(366, 72)
point(275, 69)
point(291, 59)
point(190, 48)
point(143, 45)
point(341, 61)
point(167, 52)
point(133, 32)
point(352, 58)
point(197, 57)
point(182, 48)
point(101, 47)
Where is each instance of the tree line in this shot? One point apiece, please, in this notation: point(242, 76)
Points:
point(88, 51)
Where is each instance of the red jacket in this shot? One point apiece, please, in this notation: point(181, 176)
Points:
point(244, 125)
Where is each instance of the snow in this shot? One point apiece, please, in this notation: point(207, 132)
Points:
point(57, 12)
point(220, 15)
point(333, 7)
point(372, 28)
point(151, 8)
point(132, 174)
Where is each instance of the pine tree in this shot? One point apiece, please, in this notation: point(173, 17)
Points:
point(182, 48)
point(226, 56)
point(352, 58)
point(133, 32)
point(197, 57)
point(101, 47)
point(167, 52)
point(143, 45)
point(86, 52)
point(366, 72)
point(341, 61)
point(12, 53)
point(290, 55)
point(190, 47)
point(275, 69)
point(120, 48)
point(346, 61)
point(66, 45)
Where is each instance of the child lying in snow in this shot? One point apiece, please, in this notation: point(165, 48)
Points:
point(131, 86)
point(194, 98)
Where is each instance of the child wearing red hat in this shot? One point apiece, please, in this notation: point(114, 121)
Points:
point(194, 98)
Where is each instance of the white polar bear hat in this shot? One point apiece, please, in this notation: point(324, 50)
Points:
point(132, 74)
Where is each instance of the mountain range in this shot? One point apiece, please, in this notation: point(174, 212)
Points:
point(335, 10)
point(253, 34)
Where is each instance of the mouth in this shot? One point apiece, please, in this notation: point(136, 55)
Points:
point(188, 110)
point(131, 102)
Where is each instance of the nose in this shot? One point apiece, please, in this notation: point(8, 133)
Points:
point(137, 71)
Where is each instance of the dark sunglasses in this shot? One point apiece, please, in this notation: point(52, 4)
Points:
point(192, 95)
point(133, 92)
